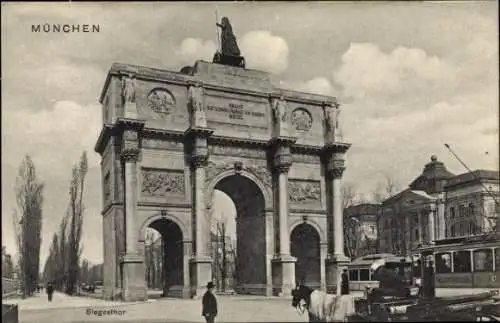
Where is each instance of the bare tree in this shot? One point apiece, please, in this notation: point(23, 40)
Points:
point(28, 224)
point(385, 190)
point(76, 209)
point(351, 225)
point(150, 255)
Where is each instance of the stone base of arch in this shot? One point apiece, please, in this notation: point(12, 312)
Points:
point(201, 274)
point(134, 283)
point(283, 269)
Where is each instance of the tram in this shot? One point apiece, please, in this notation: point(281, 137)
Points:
point(361, 278)
point(465, 262)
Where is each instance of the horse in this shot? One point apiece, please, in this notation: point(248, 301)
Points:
point(321, 307)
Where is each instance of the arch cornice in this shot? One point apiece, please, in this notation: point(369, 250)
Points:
point(312, 222)
point(264, 188)
point(159, 216)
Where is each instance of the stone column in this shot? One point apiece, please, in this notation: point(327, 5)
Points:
point(337, 260)
point(284, 263)
point(420, 227)
point(323, 256)
point(201, 263)
point(188, 251)
point(440, 211)
point(129, 158)
point(431, 223)
point(134, 282)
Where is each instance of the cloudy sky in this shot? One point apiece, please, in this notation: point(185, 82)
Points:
point(410, 76)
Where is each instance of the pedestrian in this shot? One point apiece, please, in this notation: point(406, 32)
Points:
point(209, 302)
point(344, 287)
point(50, 291)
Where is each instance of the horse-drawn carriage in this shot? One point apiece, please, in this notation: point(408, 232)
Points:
point(393, 302)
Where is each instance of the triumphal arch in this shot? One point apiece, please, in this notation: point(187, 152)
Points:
point(170, 138)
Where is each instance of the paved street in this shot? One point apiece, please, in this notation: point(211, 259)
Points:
point(232, 309)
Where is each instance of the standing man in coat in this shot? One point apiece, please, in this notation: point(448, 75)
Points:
point(344, 288)
point(50, 291)
point(209, 311)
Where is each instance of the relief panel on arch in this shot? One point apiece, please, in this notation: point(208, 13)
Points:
point(162, 183)
point(304, 192)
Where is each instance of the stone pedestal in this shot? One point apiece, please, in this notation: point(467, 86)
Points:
point(130, 110)
point(334, 267)
point(134, 282)
point(283, 275)
point(201, 274)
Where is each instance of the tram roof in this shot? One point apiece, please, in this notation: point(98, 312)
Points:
point(369, 259)
point(476, 240)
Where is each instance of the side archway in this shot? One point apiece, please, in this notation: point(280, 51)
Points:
point(168, 249)
point(305, 246)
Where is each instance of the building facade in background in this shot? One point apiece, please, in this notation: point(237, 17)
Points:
point(438, 205)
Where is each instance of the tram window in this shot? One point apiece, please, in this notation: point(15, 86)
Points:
point(461, 262)
point(497, 258)
point(443, 263)
point(364, 274)
point(483, 260)
point(353, 275)
point(417, 268)
point(452, 212)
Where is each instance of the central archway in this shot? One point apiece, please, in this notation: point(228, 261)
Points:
point(250, 261)
point(305, 246)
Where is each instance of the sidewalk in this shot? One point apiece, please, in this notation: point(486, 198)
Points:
point(60, 300)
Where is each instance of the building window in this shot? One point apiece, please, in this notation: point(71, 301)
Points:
point(483, 260)
point(353, 275)
point(471, 210)
point(462, 262)
point(452, 212)
point(443, 263)
point(497, 258)
point(461, 211)
point(452, 230)
point(472, 227)
point(364, 274)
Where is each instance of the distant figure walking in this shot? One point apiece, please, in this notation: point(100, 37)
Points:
point(50, 291)
point(209, 301)
point(344, 287)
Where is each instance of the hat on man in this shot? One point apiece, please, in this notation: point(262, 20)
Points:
point(210, 285)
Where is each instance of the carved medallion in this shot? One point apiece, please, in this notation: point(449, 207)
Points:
point(301, 119)
point(160, 183)
point(304, 192)
point(161, 101)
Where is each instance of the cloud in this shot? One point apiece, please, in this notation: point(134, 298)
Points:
point(319, 85)
point(401, 106)
point(266, 52)
point(192, 49)
point(367, 72)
